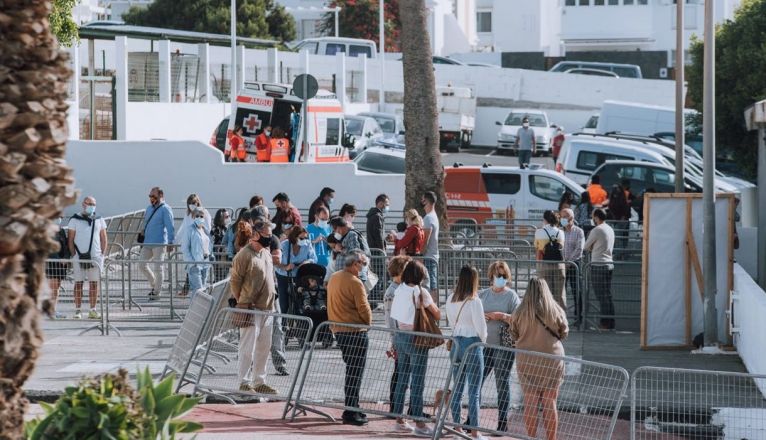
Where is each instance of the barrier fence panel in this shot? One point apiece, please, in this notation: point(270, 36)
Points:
point(128, 287)
point(366, 366)
point(613, 295)
point(696, 404)
point(244, 338)
point(187, 341)
point(68, 296)
point(587, 395)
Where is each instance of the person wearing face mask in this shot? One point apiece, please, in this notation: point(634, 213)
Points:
point(525, 142)
point(574, 241)
point(87, 242)
point(499, 302)
point(375, 223)
point(192, 203)
point(237, 146)
point(197, 249)
point(286, 215)
point(221, 224)
point(350, 241)
point(263, 145)
point(296, 250)
point(158, 233)
point(348, 212)
point(252, 285)
point(325, 199)
point(318, 232)
point(413, 241)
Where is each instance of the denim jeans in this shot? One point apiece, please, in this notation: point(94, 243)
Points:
point(472, 373)
point(432, 266)
point(198, 277)
point(525, 156)
point(353, 349)
point(411, 367)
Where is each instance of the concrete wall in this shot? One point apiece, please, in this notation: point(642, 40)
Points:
point(173, 121)
point(120, 174)
point(749, 310)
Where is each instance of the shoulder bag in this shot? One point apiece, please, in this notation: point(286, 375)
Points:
point(554, 334)
point(142, 235)
point(449, 342)
point(86, 255)
point(426, 323)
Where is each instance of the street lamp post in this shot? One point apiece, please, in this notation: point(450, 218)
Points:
point(233, 84)
point(381, 53)
point(337, 10)
point(680, 138)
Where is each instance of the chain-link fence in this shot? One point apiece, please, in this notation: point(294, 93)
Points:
point(696, 404)
point(523, 394)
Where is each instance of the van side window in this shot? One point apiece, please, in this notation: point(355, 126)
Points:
point(590, 160)
point(502, 183)
point(333, 48)
point(355, 51)
point(546, 188)
point(310, 46)
point(625, 72)
point(333, 131)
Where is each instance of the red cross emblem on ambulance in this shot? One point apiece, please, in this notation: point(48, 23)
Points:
point(252, 123)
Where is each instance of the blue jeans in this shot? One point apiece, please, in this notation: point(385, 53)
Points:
point(525, 156)
point(432, 266)
point(473, 374)
point(197, 277)
point(411, 367)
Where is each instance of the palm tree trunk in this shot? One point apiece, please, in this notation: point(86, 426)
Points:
point(424, 171)
point(35, 184)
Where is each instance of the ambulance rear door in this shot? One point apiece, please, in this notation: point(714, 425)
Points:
point(325, 131)
point(253, 114)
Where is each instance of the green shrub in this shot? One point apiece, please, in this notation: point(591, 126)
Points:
point(107, 407)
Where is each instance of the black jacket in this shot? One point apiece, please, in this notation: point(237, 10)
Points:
point(375, 229)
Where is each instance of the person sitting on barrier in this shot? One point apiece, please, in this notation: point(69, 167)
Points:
point(87, 241)
point(347, 303)
point(414, 238)
point(197, 250)
point(412, 361)
point(466, 313)
point(395, 269)
point(539, 325)
point(499, 302)
point(549, 243)
point(253, 286)
point(221, 223)
point(296, 250)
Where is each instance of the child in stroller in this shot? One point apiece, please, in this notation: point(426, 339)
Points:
point(311, 294)
point(314, 296)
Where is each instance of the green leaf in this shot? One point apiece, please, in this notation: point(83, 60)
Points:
point(187, 405)
point(164, 388)
point(167, 407)
point(149, 403)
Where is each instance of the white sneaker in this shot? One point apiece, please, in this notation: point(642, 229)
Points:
point(93, 314)
point(424, 432)
point(78, 314)
point(404, 427)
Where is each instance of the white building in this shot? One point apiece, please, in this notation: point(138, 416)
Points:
point(556, 27)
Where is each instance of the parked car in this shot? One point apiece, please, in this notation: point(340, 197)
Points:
point(621, 70)
point(457, 117)
point(218, 138)
point(353, 47)
point(391, 124)
point(446, 60)
point(365, 130)
point(381, 160)
point(479, 193)
point(592, 72)
point(590, 125)
point(643, 175)
point(538, 120)
point(477, 64)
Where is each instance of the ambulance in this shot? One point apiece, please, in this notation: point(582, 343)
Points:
point(262, 104)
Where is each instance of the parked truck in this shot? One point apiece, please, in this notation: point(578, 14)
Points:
point(457, 117)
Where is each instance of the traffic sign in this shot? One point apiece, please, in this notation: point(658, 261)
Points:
point(305, 86)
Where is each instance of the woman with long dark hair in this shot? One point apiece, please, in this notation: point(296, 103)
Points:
point(221, 222)
point(619, 215)
point(296, 250)
point(583, 213)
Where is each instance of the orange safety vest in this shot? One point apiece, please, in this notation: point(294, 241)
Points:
point(238, 151)
point(263, 148)
point(280, 150)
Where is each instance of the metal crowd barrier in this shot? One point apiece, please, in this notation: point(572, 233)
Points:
point(703, 405)
point(612, 297)
point(587, 395)
point(60, 274)
point(234, 375)
point(368, 359)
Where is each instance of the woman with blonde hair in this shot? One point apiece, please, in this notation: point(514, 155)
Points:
point(414, 237)
point(466, 314)
point(539, 324)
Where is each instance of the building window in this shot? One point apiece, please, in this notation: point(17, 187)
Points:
point(614, 2)
point(627, 2)
point(598, 2)
point(569, 3)
point(584, 2)
point(484, 21)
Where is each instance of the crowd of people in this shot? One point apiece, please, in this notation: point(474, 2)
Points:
point(265, 253)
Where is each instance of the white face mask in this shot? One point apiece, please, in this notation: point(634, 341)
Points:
point(525, 125)
point(191, 207)
point(337, 236)
point(268, 132)
point(322, 223)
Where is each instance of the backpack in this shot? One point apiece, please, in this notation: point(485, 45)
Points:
point(553, 249)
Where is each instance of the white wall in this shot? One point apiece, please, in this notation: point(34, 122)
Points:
point(120, 174)
point(749, 310)
point(173, 121)
point(747, 254)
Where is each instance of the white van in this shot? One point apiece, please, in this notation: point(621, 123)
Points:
point(636, 118)
point(352, 47)
point(457, 117)
point(580, 156)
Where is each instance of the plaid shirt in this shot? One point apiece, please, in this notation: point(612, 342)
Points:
point(574, 239)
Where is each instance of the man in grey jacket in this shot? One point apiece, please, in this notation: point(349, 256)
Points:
point(375, 223)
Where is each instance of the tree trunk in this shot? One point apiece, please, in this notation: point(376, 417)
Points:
point(424, 171)
point(35, 184)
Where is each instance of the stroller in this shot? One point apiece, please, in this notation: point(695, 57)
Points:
point(309, 298)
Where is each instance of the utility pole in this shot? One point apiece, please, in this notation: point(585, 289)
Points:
point(680, 138)
point(708, 184)
point(755, 119)
point(381, 53)
point(233, 83)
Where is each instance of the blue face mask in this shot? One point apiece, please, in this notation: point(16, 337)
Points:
point(329, 202)
point(304, 242)
point(564, 222)
point(199, 221)
point(386, 208)
point(499, 282)
point(90, 209)
point(322, 223)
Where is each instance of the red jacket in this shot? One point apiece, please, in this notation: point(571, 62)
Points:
point(558, 142)
point(412, 242)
